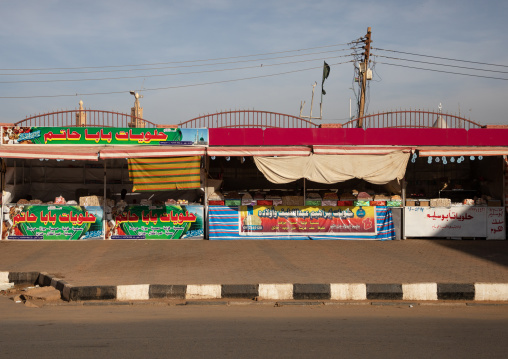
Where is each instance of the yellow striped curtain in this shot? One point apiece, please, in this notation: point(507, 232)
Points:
point(164, 174)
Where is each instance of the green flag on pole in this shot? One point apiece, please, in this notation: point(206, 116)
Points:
point(326, 72)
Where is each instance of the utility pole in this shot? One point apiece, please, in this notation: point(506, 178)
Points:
point(364, 66)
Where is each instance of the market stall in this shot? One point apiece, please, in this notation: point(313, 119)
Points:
point(455, 192)
point(307, 196)
point(102, 183)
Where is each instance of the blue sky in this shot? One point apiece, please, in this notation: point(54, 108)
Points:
point(69, 34)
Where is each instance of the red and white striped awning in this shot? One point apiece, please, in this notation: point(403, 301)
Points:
point(150, 151)
point(461, 151)
point(265, 151)
point(89, 153)
point(358, 150)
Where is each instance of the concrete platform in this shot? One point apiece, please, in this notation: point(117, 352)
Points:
point(341, 270)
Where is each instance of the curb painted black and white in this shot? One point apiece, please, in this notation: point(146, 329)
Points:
point(267, 291)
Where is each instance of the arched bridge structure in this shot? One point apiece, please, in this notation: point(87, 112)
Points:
point(412, 119)
point(84, 117)
point(248, 119)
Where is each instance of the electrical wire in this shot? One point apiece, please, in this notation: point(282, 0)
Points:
point(441, 58)
point(440, 64)
point(442, 71)
point(173, 67)
point(163, 75)
point(172, 87)
point(173, 62)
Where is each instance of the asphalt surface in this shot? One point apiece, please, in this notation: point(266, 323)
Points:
point(253, 331)
point(239, 262)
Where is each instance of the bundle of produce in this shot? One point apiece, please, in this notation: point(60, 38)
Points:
point(276, 199)
point(364, 196)
point(440, 202)
point(330, 196)
point(347, 197)
point(292, 200)
point(146, 202)
point(247, 200)
point(216, 196)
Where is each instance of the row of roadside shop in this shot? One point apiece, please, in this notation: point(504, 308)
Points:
point(104, 183)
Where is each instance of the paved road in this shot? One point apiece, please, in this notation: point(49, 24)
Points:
point(240, 262)
point(253, 331)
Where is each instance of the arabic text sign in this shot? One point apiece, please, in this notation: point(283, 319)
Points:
point(53, 222)
point(104, 136)
point(496, 227)
point(298, 220)
point(459, 221)
point(157, 222)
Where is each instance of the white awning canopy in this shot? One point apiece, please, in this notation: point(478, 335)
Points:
point(150, 151)
point(89, 153)
point(330, 169)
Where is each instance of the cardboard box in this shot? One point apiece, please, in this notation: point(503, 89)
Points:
point(265, 202)
point(411, 203)
point(328, 202)
point(424, 203)
point(216, 203)
point(494, 203)
point(233, 202)
point(313, 202)
point(361, 203)
point(378, 203)
point(345, 203)
point(394, 203)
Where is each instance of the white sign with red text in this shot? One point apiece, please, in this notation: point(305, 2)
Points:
point(459, 221)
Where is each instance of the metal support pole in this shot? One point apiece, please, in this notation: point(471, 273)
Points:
point(403, 214)
point(104, 205)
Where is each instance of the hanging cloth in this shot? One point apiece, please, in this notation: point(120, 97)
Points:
point(164, 174)
point(376, 169)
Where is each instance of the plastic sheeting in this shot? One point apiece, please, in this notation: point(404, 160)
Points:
point(224, 224)
point(328, 169)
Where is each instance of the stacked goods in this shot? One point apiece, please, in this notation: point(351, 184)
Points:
point(380, 200)
point(90, 201)
point(247, 200)
point(276, 200)
point(59, 200)
point(394, 201)
point(259, 197)
point(440, 202)
point(346, 199)
point(232, 198)
point(145, 202)
point(292, 200)
point(330, 199)
point(313, 199)
point(363, 199)
point(468, 202)
point(216, 199)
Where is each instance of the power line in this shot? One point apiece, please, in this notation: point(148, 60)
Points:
point(440, 64)
point(162, 75)
point(442, 58)
point(442, 71)
point(172, 87)
point(173, 62)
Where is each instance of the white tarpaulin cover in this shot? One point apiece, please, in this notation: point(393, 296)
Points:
point(376, 169)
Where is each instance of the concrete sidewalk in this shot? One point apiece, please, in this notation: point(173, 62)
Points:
point(118, 263)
